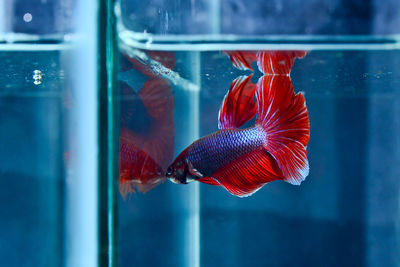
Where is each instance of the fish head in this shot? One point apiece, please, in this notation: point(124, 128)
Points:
point(179, 171)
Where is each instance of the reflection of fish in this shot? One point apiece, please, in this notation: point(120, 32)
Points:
point(277, 62)
point(167, 59)
point(269, 62)
point(147, 135)
point(137, 169)
point(243, 160)
point(241, 59)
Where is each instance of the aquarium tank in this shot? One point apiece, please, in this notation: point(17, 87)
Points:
point(166, 133)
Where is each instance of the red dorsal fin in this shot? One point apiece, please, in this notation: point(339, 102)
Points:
point(238, 106)
point(277, 62)
point(242, 59)
point(284, 117)
point(248, 173)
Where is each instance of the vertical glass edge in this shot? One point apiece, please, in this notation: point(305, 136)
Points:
point(108, 149)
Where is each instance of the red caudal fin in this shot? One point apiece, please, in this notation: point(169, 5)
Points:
point(284, 117)
point(248, 173)
point(238, 106)
point(242, 59)
point(277, 62)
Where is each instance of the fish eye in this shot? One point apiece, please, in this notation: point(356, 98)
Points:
point(169, 171)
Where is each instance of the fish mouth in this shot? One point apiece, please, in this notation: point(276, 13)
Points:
point(169, 172)
point(170, 176)
point(178, 181)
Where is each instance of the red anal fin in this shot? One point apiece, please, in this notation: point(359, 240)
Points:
point(249, 173)
point(238, 106)
point(277, 62)
point(284, 117)
point(242, 59)
point(208, 180)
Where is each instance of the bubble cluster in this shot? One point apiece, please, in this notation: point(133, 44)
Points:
point(37, 77)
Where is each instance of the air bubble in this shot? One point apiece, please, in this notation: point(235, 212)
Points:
point(37, 77)
point(27, 17)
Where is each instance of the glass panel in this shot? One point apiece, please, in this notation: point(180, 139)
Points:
point(48, 133)
point(239, 17)
point(174, 71)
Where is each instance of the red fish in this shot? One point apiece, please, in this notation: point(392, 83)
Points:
point(269, 62)
point(147, 132)
point(147, 136)
point(167, 59)
point(277, 62)
point(241, 59)
point(244, 160)
point(138, 170)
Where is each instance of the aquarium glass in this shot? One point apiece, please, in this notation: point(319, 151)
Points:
point(48, 133)
point(172, 55)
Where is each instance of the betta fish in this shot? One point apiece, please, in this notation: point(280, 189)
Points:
point(244, 160)
point(269, 62)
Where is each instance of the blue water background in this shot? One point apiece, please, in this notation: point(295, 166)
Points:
point(344, 214)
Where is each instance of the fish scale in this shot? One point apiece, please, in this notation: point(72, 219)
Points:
point(210, 153)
